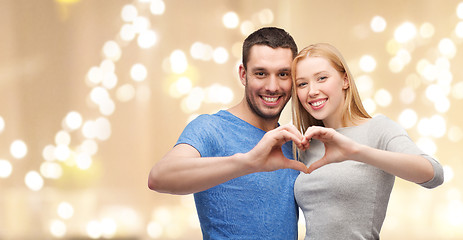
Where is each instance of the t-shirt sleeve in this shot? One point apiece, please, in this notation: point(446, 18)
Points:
point(199, 134)
point(396, 139)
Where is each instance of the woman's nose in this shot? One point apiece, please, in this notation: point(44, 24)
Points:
point(313, 90)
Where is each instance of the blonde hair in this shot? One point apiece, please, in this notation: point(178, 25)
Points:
point(353, 109)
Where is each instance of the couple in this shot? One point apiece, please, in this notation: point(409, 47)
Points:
point(239, 163)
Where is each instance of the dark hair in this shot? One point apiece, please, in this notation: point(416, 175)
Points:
point(268, 36)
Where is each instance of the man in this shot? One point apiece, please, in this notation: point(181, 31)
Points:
point(237, 162)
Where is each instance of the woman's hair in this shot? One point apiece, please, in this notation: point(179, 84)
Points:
point(352, 110)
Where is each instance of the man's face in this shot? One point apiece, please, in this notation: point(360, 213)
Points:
point(267, 80)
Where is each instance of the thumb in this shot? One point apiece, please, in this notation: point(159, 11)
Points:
point(296, 165)
point(316, 165)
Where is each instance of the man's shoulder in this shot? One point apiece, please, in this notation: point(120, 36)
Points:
point(208, 119)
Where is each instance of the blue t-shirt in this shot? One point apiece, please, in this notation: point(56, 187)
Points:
point(254, 206)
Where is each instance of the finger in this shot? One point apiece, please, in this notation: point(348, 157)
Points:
point(296, 165)
point(282, 136)
point(292, 129)
point(312, 131)
point(319, 133)
point(316, 165)
point(305, 143)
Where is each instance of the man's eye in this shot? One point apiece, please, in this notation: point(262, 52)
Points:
point(260, 74)
point(284, 74)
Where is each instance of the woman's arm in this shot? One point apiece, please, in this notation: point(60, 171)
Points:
point(338, 148)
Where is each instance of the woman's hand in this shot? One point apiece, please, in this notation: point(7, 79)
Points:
point(338, 147)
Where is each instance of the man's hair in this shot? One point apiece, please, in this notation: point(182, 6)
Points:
point(268, 36)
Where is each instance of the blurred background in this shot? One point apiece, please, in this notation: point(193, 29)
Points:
point(93, 93)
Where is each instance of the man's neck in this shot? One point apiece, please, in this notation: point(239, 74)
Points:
point(244, 112)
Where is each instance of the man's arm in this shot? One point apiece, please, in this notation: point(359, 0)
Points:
point(182, 170)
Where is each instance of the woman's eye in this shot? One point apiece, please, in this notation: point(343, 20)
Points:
point(301, 84)
point(322, 78)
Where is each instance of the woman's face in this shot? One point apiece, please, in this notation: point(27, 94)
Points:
point(320, 89)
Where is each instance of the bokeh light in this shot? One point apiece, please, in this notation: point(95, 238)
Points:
point(193, 101)
point(5, 168)
point(459, 30)
point(141, 24)
point(369, 105)
point(178, 61)
point(448, 173)
point(138, 72)
point(266, 16)
point(125, 92)
point(408, 118)
point(157, 7)
point(51, 170)
point(94, 229)
point(34, 181)
point(447, 48)
point(154, 230)
point(246, 28)
point(83, 161)
point(407, 95)
point(65, 210)
point(18, 149)
point(2, 124)
point(220, 55)
point(201, 51)
point(58, 228)
point(378, 24)
point(405, 32)
point(427, 30)
point(89, 147)
point(73, 120)
point(147, 39)
point(364, 84)
point(455, 134)
point(181, 87)
point(460, 10)
point(367, 63)
point(62, 137)
point(112, 50)
point(127, 32)
point(427, 145)
point(129, 13)
point(62, 152)
point(94, 76)
point(230, 20)
point(383, 98)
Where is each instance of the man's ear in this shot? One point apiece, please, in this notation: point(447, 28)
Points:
point(345, 85)
point(242, 73)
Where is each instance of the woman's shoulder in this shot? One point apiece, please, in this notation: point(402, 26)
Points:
point(381, 125)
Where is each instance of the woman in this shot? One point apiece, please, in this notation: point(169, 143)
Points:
point(353, 158)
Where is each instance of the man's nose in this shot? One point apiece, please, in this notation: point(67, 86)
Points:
point(272, 84)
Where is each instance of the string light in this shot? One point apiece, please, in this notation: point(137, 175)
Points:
point(432, 75)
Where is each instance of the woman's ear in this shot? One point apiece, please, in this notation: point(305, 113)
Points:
point(242, 73)
point(345, 85)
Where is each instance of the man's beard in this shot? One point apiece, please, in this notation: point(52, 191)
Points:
point(256, 110)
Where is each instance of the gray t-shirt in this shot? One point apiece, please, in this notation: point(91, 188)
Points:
point(348, 200)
